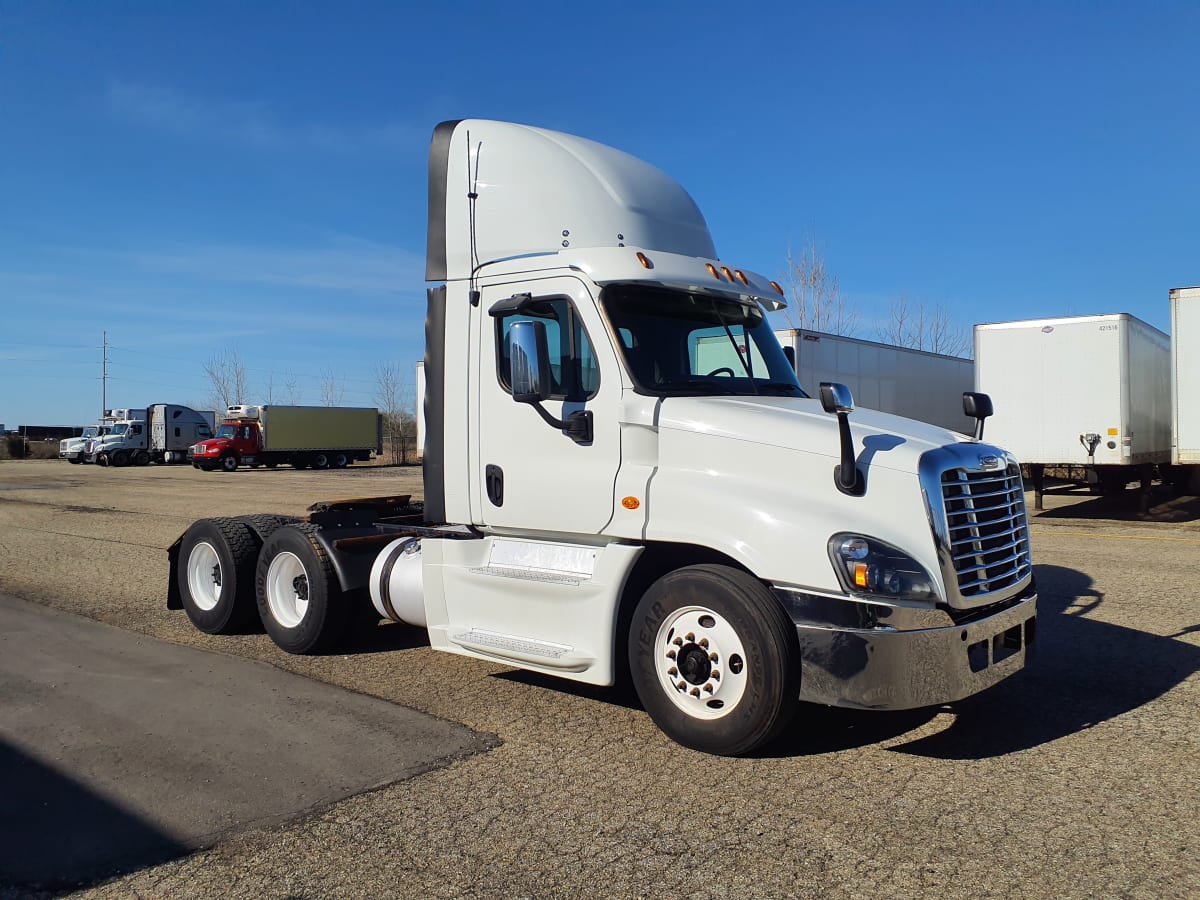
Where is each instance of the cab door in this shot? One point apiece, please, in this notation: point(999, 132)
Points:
point(528, 475)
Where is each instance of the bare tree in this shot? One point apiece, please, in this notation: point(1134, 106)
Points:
point(227, 375)
point(816, 295)
point(924, 327)
point(398, 425)
point(291, 388)
point(332, 390)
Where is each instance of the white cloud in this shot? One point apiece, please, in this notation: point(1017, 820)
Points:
point(246, 123)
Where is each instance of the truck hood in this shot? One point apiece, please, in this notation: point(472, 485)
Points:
point(801, 425)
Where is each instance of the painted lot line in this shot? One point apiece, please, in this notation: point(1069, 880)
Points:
point(118, 751)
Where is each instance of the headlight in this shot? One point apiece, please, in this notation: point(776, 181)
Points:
point(870, 568)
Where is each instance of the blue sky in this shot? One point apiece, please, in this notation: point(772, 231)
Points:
point(194, 178)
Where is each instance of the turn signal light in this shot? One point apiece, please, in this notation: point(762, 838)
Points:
point(631, 502)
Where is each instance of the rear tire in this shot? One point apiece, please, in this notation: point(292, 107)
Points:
point(299, 597)
point(215, 575)
point(340, 460)
point(141, 458)
point(714, 659)
point(320, 460)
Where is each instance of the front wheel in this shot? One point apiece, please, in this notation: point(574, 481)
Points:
point(119, 459)
point(300, 599)
point(74, 460)
point(229, 463)
point(714, 659)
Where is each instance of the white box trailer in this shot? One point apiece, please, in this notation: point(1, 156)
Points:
point(1090, 391)
point(916, 384)
point(1185, 376)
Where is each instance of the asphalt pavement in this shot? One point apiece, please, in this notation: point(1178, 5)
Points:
point(118, 751)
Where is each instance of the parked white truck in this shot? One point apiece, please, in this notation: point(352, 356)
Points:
point(1089, 391)
point(596, 504)
point(161, 433)
point(74, 450)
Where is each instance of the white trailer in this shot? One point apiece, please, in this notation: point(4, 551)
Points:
point(1089, 391)
point(1185, 376)
point(420, 411)
point(916, 384)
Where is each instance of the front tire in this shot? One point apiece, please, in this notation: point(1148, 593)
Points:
point(119, 459)
point(299, 597)
point(714, 659)
point(229, 463)
point(216, 575)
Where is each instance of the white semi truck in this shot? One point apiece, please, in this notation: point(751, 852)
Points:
point(74, 450)
point(160, 433)
point(597, 505)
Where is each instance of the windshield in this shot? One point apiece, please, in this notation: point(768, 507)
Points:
point(678, 343)
point(120, 429)
point(227, 431)
point(90, 432)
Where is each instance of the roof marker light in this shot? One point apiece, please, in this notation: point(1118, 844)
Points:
point(644, 260)
point(728, 274)
point(778, 289)
point(712, 270)
point(741, 276)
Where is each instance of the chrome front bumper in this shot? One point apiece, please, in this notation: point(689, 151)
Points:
point(884, 667)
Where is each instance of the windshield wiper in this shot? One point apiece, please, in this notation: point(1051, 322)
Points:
point(697, 385)
point(783, 387)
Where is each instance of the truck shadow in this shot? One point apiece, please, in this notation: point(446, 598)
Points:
point(1083, 672)
point(60, 834)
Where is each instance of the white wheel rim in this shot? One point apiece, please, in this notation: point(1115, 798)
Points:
point(287, 589)
point(204, 576)
point(701, 663)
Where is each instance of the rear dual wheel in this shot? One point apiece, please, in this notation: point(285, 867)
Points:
point(714, 659)
point(216, 575)
point(299, 597)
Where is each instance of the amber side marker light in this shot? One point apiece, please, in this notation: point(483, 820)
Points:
point(644, 260)
point(860, 575)
point(712, 270)
point(631, 502)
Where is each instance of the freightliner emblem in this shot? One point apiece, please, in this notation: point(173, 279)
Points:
point(989, 462)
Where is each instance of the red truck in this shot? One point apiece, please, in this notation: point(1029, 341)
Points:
point(318, 437)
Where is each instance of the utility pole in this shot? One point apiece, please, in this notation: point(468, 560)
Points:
point(104, 376)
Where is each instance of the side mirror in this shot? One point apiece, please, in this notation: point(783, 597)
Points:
point(978, 407)
point(528, 362)
point(836, 398)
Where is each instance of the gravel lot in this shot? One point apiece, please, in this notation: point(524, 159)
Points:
point(1079, 777)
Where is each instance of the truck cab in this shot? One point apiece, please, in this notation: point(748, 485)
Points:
point(235, 440)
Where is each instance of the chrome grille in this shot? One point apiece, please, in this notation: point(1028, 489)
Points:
point(987, 533)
